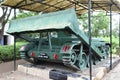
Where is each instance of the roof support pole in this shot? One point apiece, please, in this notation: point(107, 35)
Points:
point(14, 53)
point(119, 30)
point(110, 36)
point(75, 4)
point(89, 25)
point(14, 44)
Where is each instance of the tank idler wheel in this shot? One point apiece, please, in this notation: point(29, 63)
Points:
point(105, 53)
point(73, 58)
point(82, 61)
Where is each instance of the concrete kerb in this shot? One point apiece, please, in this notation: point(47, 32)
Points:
point(101, 73)
point(44, 72)
point(30, 69)
point(105, 69)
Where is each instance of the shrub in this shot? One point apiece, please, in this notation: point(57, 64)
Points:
point(7, 52)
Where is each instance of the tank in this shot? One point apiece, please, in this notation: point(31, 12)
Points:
point(56, 37)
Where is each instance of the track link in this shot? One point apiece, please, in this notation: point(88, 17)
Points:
point(67, 61)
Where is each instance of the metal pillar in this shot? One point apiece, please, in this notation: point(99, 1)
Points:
point(110, 36)
point(119, 30)
point(89, 24)
point(75, 5)
point(14, 44)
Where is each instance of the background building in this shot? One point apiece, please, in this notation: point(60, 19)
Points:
point(7, 39)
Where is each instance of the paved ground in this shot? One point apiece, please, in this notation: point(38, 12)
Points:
point(9, 66)
point(6, 72)
point(113, 74)
point(17, 75)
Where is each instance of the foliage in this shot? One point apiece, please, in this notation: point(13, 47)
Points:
point(25, 14)
point(99, 24)
point(115, 30)
point(115, 42)
point(7, 51)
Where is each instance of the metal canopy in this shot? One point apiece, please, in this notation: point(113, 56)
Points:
point(55, 5)
point(81, 6)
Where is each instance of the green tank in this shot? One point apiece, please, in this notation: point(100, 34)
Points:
point(56, 37)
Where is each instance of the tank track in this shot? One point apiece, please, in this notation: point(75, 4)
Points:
point(67, 61)
point(22, 55)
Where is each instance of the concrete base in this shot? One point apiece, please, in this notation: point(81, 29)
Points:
point(43, 71)
point(106, 68)
point(32, 70)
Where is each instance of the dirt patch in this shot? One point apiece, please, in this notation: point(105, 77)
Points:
point(9, 66)
point(18, 76)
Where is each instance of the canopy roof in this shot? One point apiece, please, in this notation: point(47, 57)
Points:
point(54, 20)
point(55, 5)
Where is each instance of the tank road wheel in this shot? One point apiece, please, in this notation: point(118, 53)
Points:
point(105, 54)
point(73, 57)
point(69, 58)
point(82, 62)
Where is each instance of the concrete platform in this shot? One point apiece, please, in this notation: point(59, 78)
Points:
point(42, 70)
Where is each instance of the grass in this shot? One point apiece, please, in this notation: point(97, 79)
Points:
point(21, 43)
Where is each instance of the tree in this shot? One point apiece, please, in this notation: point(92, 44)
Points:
point(4, 19)
point(6, 12)
point(23, 14)
point(99, 23)
point(115, 32)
